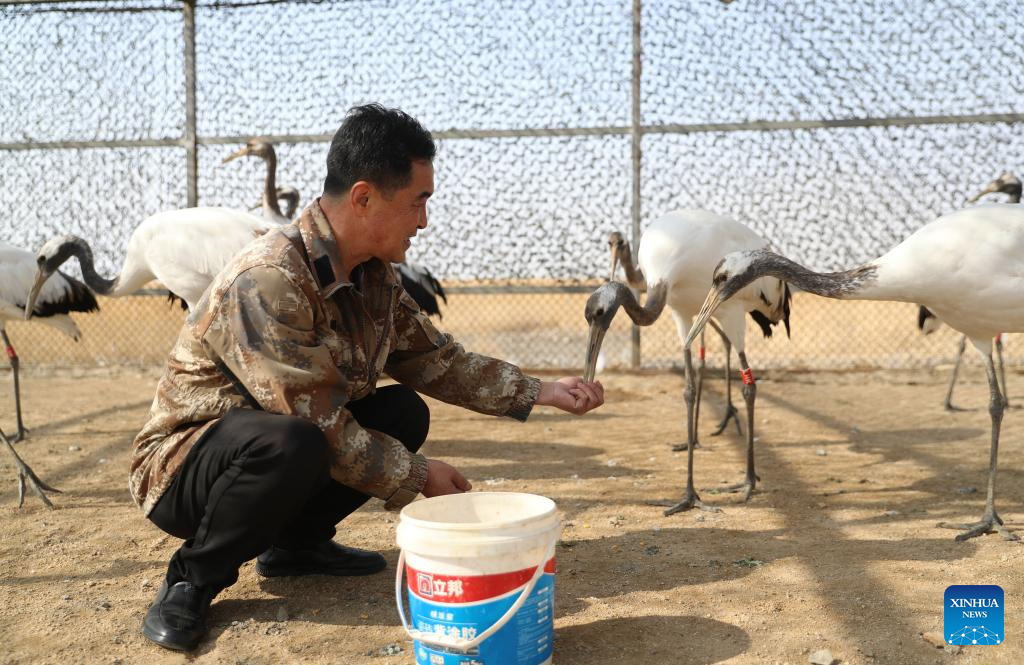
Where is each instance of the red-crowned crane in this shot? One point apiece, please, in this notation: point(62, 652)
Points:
point(677, 254)
point(1008, 184)
point(621, 253)
point(56, 298)
point(967, 267)
point(184, 249)
point(265, 151)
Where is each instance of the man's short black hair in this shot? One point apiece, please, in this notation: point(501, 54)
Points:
point(378, 145)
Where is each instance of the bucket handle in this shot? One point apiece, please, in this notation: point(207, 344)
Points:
point(461, 643)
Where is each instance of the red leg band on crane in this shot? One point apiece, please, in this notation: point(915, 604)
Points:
point(702, 350)
point(10, 353)
point(748, 377)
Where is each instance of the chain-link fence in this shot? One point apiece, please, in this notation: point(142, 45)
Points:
point(833, 129)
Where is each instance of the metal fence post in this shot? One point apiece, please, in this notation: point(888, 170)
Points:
point(189, 140)
point(637, 121)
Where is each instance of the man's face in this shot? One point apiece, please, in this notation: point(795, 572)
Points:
point(395, 220)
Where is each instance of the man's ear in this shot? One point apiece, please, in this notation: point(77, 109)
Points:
point(359, 195)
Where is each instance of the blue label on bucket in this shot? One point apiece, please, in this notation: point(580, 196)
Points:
point(527, 639)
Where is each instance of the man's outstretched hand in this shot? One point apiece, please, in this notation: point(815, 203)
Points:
point(444, 479)
point(571, 394)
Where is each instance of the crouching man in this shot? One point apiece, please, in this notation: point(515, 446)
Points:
point(267, 428)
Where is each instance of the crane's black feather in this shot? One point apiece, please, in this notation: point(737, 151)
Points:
point(422, 287)
point(172, 297)
point(923, 314)
point(78, 298)
point(765, 323)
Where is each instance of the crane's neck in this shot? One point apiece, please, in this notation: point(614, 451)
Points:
point(634, 275)
point(291, 203)
point(650, 311)
point(80, 249)
point(860, 283)
point(270, 203)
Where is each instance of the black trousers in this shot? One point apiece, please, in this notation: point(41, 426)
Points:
point(257, 479)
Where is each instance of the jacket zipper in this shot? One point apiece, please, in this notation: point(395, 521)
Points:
point(371, 366)
point(387, 327)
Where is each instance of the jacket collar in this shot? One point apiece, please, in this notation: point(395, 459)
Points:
point(324, 258)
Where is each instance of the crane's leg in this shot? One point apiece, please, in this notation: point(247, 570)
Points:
point(692, 439)
point(27, 476)
point(700, 392)
point(956, 370)
point(690, 499)
point(749, 396)
point(1002, 370)
point(730, 410)
point(990, 520)
point(12, 356)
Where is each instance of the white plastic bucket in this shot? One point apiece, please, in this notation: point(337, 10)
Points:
point(481, 578)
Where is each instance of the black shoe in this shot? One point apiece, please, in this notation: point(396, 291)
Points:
point(327, 558)
point(177, 618)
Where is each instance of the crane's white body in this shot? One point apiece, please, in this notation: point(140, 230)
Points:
point(967, 267)
point(17, 272)
point(185, 249)
point(683, 248)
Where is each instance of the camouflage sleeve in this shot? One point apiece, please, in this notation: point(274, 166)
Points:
point(263, 332)
point(434, 364)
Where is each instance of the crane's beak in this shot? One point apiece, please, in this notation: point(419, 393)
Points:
point(615, 264)
point(33, 293)
point(235, 155)
point(593, 349)
point(990, 188)
point(711, 303)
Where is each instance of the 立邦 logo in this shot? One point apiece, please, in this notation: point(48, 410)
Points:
point(425, 584)
point(973, 614)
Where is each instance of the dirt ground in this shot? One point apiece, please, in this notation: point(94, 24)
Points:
point(837, 550)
